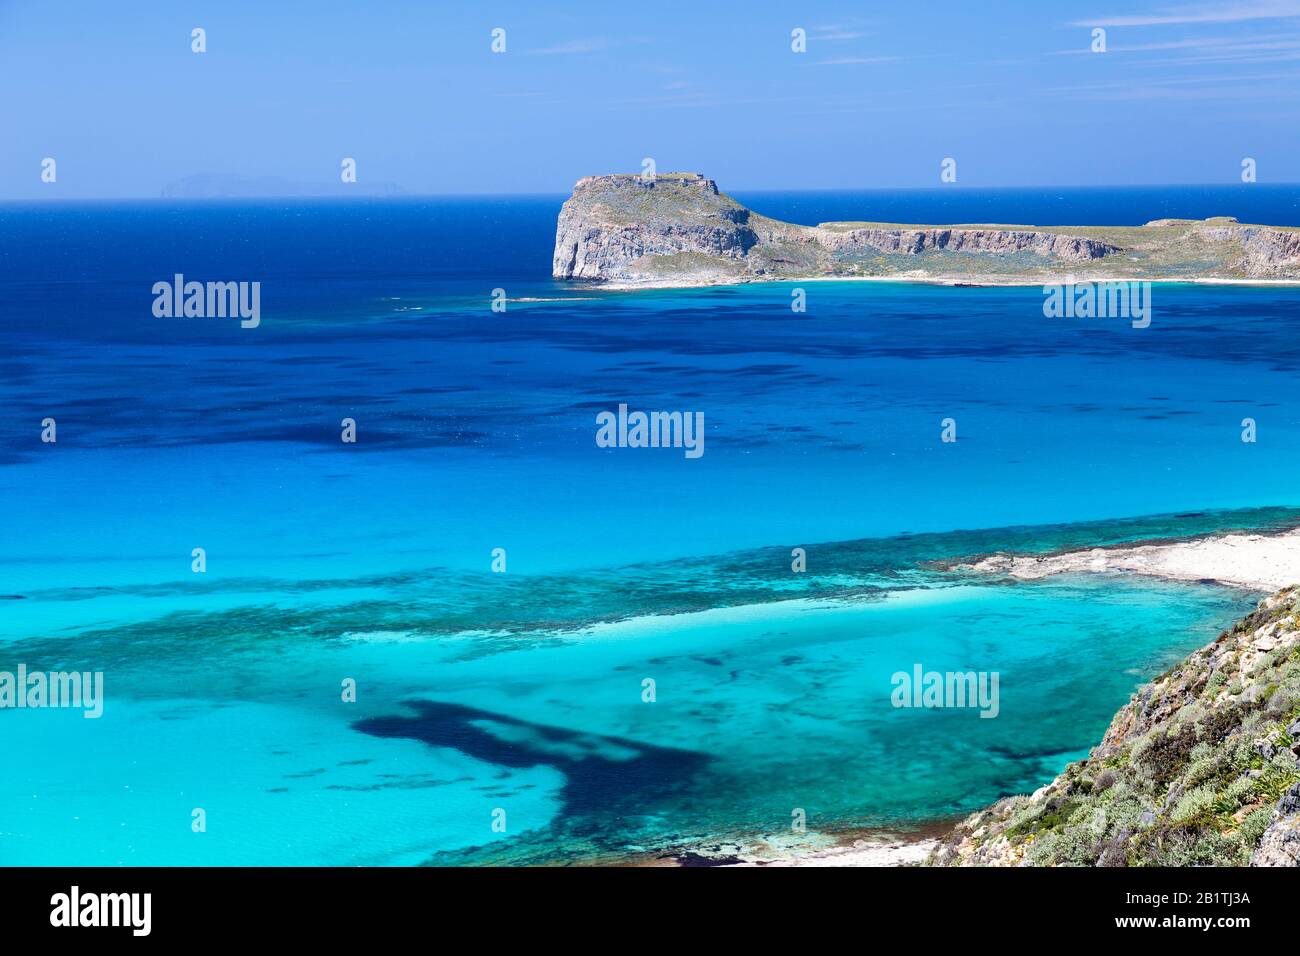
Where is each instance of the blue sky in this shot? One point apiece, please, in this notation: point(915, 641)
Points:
point(411, 90)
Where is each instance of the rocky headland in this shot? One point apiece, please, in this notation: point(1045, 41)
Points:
point(679, 229)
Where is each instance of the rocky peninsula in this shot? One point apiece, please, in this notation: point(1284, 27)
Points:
point(678, 229)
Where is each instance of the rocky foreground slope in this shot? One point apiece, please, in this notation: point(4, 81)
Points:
point(1198, 769)
point(678, 228)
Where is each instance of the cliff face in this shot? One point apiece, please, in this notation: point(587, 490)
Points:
point(1263, 252)
point(915, 241)
point(1200, 768)
point(611, 222)
point(679, 228)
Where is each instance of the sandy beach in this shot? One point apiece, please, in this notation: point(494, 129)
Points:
point(881, 850)
point(864, 847)
point(1254, 561)
point(920, 277)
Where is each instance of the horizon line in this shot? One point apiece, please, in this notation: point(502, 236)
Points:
point(398, 197)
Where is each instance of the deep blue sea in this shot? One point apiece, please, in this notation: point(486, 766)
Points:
point(500, 716)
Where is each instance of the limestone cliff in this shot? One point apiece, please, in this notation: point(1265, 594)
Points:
point(1199, 769)
point(611, 222)
point(678, 228)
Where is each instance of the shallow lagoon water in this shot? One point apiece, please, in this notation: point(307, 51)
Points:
point(759, 709)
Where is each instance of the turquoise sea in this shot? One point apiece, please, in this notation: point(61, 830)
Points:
point(484, 697)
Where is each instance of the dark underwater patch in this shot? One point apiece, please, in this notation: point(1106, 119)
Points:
point(605, 777)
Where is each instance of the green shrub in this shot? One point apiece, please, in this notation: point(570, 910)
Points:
point(1253, 827)
point(1194, 803)
point(1237, 793)
point(1207, 767)
point(1160, 757)
point(1184, 847)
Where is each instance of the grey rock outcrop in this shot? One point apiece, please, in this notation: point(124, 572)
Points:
point(1264, 252)
point(1280, 844)
point(916, 241)
point(611, 222)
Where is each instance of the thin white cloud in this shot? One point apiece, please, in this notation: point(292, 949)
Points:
point(1145, 47)
point(585, 45)
point(1209, 50)
point(852, 60)
point(855, 23)
point(1200, 13)
point(835, 36)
